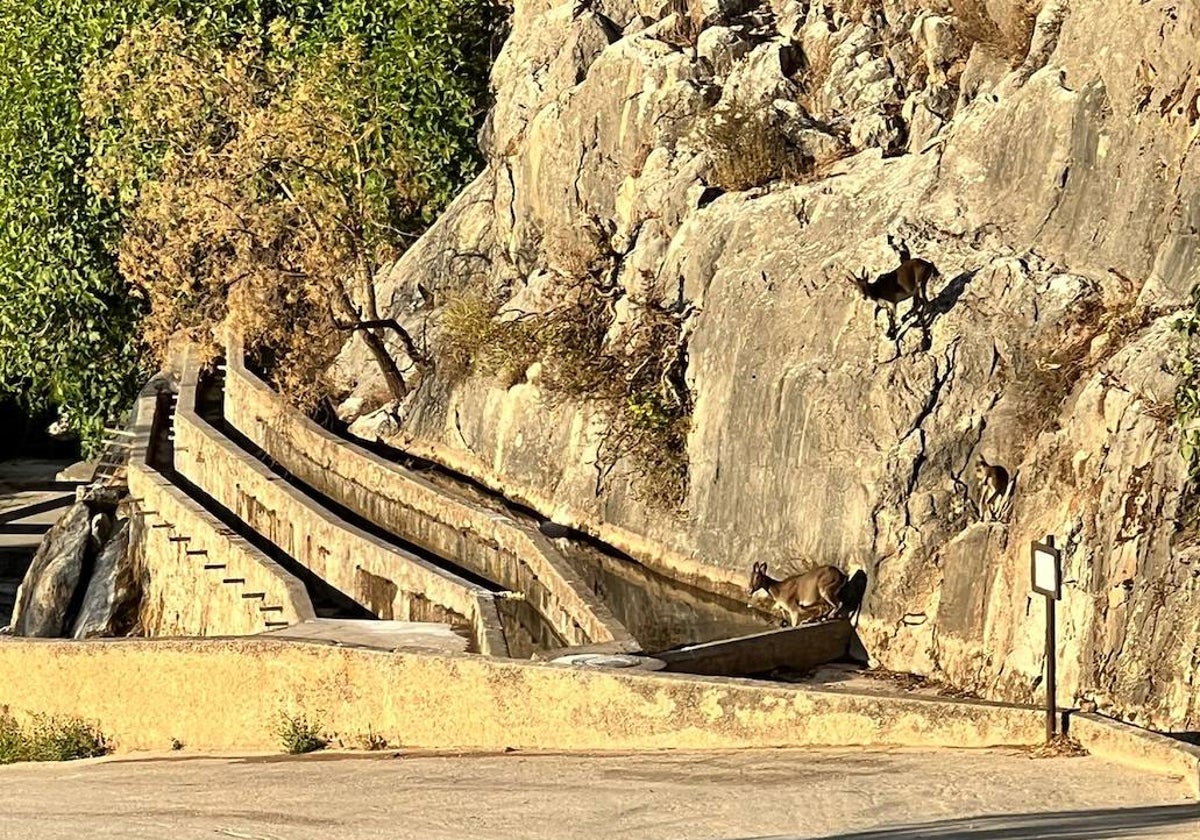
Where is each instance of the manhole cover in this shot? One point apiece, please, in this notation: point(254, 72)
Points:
point(611, 660)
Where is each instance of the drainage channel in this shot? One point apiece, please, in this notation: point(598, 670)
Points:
point(659, 612)
point(526, 632)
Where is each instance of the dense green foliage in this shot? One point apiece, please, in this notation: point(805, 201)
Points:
point(68, 327)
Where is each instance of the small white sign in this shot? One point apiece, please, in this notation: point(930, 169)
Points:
point(1046, 570)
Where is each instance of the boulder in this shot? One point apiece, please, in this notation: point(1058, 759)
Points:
point(45, 595)
point(110, 601)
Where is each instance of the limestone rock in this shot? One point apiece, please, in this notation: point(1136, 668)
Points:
point(721, 47)
point(1052, 179)
point(110, 601)
point(44, 597)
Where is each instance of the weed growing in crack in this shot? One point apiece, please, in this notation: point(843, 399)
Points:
point(298, 736)
point(49, 738)
point(1186, 367)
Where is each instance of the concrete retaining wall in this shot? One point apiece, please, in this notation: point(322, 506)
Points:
point(230, 694)
point(390, 582)
point(1148, 751)
point(201, 578)
point(404, 503)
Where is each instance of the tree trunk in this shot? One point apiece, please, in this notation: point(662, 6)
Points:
point(391, 373)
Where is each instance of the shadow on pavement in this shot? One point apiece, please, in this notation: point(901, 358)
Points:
point(1061, 825)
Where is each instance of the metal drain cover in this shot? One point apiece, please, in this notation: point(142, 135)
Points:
point(611, 660)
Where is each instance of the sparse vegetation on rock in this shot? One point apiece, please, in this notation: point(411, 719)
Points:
point(298, 735)
point(48, 738)
point(638, 384)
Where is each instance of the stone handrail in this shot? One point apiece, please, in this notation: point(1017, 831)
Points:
point(389, 581)
point(190, 554)
point(403, 502)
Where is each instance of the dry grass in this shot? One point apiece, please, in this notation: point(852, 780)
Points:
point(914, 682)
point(1060, 746)
point(748, 151)
point(1048, 375)
point(638, 386)
point(817, 67)
point(473, 338)
point(976, 26)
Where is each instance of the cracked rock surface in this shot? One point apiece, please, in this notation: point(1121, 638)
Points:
point(1044, 158)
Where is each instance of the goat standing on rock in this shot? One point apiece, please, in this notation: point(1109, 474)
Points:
point(817, 590)
point(995, 489)
point(909, 281)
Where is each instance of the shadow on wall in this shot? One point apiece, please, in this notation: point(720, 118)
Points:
point(951, 292)
point(1060, 825)
point(853, 593)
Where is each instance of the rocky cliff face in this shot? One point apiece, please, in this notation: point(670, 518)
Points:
point(1043, 157)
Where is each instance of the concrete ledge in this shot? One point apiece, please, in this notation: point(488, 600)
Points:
point(406, 504)
point(799, 648)
point(181, 596)
point(1123, 743)
point(390, 582)
point(230, 694)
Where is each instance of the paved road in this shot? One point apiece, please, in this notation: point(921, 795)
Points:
point(858, 795)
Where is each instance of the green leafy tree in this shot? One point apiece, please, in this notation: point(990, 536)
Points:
point(68, 325)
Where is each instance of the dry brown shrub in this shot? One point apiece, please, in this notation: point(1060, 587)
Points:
point(747, 150)
point(639, 388)
point(1009, 41)
point(474, 338)
point(267, 202)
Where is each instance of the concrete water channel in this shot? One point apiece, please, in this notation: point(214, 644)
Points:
point(524, 629)
point(660, 614)
point(550, 590)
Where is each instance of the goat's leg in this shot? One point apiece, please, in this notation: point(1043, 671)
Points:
point(1000, 507)
point(1006, 504)
point(992, 495)
point(1006, 500)
point(893, 329)
point(834, 605)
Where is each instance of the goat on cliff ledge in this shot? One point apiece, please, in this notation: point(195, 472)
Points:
point(888, 290)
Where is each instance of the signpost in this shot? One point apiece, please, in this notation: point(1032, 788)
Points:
point(1045, 572)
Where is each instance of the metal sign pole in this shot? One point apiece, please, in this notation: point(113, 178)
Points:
point(1046, 578)
point(1051, 666)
